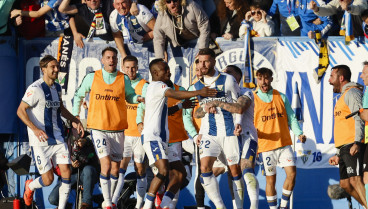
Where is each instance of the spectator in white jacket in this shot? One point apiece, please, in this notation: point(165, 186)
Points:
point(260, 23)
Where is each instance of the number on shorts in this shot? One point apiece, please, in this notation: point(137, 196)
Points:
point(38, 158)
point(268, 159)
point(98, 143)
point(206, 143)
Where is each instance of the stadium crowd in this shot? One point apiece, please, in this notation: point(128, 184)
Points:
point(157, 122)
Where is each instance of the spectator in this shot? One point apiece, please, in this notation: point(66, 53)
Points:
point(5, 7)
point(258, 21)
point(227, 19)
point(55, 22)
point(340, 8)
point(96, 14)
point(180, 21)
point(311, 22)
point(289, 19)
point(364, 16)
point(138, 28)
point(85, 159)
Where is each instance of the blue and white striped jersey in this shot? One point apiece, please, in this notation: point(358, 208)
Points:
point(54, 20)
point(221, 123)
point(155, 118)
point(44, 112)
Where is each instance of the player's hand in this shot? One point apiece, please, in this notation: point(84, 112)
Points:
point(78, 38)
point(189, 103)
point(317, 21)
point(207, 92)
point(334, 160)
point(197, 139)
point(41, 135)
point(140, 128)
point(354, 149)
point(78, 125)
point(18, 21)
point(227, 36)
point(134, 9)
point(15, 13)
point(75, 164)
point(313, 6)
point(302, 138)
point(210, 108)
point(140, 99)
point(237, 130)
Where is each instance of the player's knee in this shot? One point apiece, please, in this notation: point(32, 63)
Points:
point(354, 180)
point(344, 184)
point(205, 168)
point(161, 176)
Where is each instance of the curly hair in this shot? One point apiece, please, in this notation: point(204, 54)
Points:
point(242, 6)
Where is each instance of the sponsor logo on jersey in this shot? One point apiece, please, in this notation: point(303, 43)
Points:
point(131, 107)
point(272, 116)
point(107, 97)
point(52, 104)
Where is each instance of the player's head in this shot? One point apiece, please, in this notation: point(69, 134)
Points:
point(235, 71)
point(122, 6)
point(207, 61)
point(49, 67)
point(130, 66)
point(109, 59)
point(364, 74)
point(93, 4)
point(340, 75)
point(264, 79)
point(160, 70)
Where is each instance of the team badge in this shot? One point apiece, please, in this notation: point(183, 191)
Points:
point(304, 155)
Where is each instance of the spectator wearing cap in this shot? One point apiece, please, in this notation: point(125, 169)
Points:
point(288, 13)
point(180, 21)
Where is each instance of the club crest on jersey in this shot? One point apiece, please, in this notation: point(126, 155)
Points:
point(52, 104)
point(304, 155)
point(220, 87)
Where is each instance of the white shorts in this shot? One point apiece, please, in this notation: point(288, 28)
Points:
point(155, 150)
point(282, 157)
point(249, 148)
point(133, 147)
point(108, 144)
point(43, 155)
point(174, 152)
point(213, 146)
point(220, 162)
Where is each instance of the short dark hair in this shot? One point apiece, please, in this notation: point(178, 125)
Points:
point(109, 48)
point(154, 62)
point(264, 71)
point(365, 63)
point(236, 69)
point(130, 58)
point(343, 70)
point(207, 51)
point(45, 60)
point(364, 15)
point(255, 6)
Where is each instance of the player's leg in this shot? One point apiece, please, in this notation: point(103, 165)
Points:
point(122, 170)
point(231, 151)
point(62, 159)
point(269, 162)
point(156, 153)
point(247, 163)
point(176, 175)
point(140, 163)
point(209, 150)
point(287, 161)
point(198, 188)
point(365, 171)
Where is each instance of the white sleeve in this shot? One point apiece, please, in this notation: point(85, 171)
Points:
point(31, 96)
point(160, 89)
point(144, 14)
point(113, 25)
